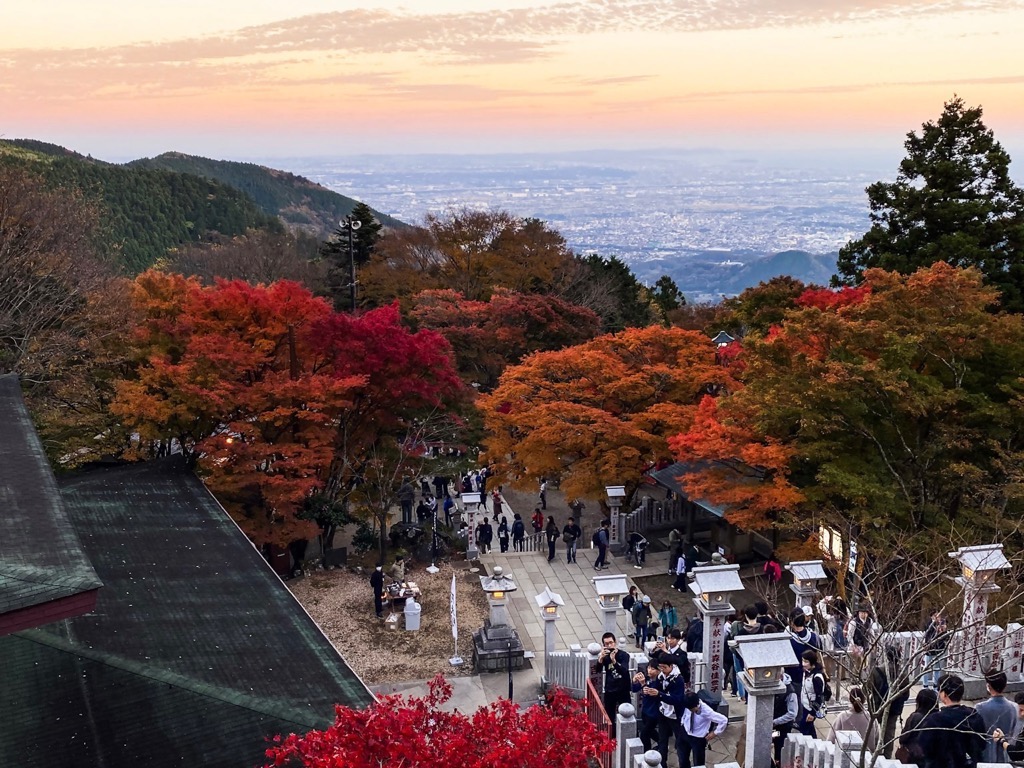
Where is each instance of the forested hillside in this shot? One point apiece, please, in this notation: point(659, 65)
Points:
point(145, 212)
point(297, 200)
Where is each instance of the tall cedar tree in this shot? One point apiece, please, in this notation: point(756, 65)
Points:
point(335, 252)
point(896, 409)
point(599, 412)
point(487, 336)
point(953, 201)
point(416, 731)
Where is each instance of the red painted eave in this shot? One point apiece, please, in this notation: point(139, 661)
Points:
point(49, 612)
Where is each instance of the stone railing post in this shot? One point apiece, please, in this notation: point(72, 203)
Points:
point(626, 729)
point(649, 759)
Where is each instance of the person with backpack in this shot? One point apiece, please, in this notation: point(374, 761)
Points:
point(628, 601)
point(784, 717)
point(695, 635)
point(602, 536)
point(953, 736)
point(641, 613)
point(551, 533)
point(748, 626)
point(815, 692)
point(888, 690)
point(802, 639)
point(503, 534)
point(518, 533)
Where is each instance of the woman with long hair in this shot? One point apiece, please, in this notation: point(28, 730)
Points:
point(856, 718)
point(910, 750)
point(812, 692)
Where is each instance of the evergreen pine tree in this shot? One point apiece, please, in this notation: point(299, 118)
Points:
point(953, 201)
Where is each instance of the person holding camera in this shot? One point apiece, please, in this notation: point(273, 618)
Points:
point(672, 644)
point(614, 664)
point(668, 689)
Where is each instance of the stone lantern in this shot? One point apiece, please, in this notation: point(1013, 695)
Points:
point(764, 657)
point(470, 504)
point(616, 494)
point(713, 586)
point(610, 591)
point(549, 602)
point(978, 569)
point(806, 575)
point(497, 643)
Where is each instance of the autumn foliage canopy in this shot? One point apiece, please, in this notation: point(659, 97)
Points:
point(270, 392)
point(415, 732)
point(599, 411)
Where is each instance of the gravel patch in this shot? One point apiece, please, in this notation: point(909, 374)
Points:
point(341, 603)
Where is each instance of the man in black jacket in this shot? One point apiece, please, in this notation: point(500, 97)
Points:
point(377, 582)
point(614, 663)
point(953, 736)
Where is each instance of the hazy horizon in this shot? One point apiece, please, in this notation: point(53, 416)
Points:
point(227, 79)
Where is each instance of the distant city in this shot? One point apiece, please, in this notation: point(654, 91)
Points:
point(700, 216)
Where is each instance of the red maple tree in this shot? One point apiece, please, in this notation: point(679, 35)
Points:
point(272, 394)
point(415, 732)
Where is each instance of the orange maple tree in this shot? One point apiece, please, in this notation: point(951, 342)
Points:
point(895, 408)
point(599, 412)
point(738, 469)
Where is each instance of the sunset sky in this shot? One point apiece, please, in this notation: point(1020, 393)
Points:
point(253, 79)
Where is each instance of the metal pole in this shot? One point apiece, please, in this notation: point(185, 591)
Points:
point(353, 225)
point(510, 670)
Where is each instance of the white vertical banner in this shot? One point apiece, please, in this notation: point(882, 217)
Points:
point(455, 660)
point(455, 622)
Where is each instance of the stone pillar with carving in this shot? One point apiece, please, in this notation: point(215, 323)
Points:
point(713, 586)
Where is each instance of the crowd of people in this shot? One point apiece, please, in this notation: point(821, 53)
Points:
point(670, 709)
point(827, 639)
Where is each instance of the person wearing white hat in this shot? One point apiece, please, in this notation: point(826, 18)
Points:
point(812, 622)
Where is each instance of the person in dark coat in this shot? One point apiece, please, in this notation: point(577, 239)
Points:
point(613, 663)
point(503, 534)
point(551, 533)
point(953, 736)
point(518, 533)
point(910, 737)
point(377, 582)
point(484, 536)
point(406, 496)
point(888, 690)
point(571, 534)
point(649, 705)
